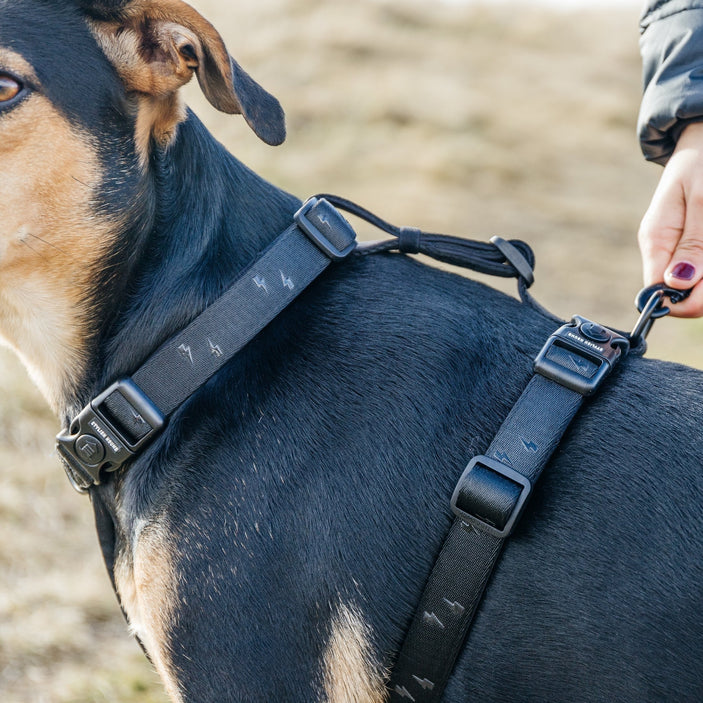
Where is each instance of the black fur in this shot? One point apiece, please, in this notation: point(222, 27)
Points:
point(104, 9)
point(317, 466)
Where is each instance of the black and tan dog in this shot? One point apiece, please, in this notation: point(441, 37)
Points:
point(272, 544)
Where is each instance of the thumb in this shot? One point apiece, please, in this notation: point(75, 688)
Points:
point(686, 266)
point(661, 229)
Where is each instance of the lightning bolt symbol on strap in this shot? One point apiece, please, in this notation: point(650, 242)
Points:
point(503, 457)
point(261, 283)
point(287, 281)
point(530, 446)
point(215, 349)
point(403, 692)
point(186, 353)
point(456, 608)
point(424, 683)
point(578, 362)
point(432, 619)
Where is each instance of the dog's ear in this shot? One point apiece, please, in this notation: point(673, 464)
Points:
point(156, 47)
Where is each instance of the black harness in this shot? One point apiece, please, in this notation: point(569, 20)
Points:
point(493, 490)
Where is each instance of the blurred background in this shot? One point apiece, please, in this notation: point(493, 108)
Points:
point(509, 118)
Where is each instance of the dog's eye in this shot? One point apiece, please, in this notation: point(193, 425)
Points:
point(9, 88)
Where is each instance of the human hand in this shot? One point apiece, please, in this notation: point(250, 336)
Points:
point(671, 233)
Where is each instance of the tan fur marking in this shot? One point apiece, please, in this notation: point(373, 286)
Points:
point(10, 61)
point(156, 83)
point(146, 47)
point(157, 120)
point(50, 239)
point(157, 77)
point(187, 17)
point(146, 584)
point(351, 672)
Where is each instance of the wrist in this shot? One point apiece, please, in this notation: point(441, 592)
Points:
point(691, 137)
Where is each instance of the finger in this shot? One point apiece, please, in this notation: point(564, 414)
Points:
point(692, 306)
point(686, 266)
point(661, 229)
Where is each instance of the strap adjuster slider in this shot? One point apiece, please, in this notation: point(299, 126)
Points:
point(326, 227)
point(491, 496)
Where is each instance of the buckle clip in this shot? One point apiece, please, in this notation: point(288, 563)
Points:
point(580, 355)
point(491, 496)
point(109, 431)
point(327, 228)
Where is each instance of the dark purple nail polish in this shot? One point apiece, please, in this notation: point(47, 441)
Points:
point(683, 271)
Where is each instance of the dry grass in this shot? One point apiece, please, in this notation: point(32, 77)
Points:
point(474, 121)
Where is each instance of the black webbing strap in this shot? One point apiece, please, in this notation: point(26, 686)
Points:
point(489, 500)
point(119, 422)
point(513, 259)
point(187, 360)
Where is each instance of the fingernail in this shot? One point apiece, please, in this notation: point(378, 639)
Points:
point(683, 271)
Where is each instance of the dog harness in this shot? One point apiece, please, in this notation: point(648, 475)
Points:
point(492, 492)
point(119, 423)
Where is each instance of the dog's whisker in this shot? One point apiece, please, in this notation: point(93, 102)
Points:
point(47, 242)
point(36, 251)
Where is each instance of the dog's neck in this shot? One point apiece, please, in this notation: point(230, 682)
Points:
point(208, 216)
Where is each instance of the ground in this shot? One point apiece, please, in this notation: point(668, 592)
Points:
point(467, 120)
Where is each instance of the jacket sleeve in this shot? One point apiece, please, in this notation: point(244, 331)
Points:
point(671, 43)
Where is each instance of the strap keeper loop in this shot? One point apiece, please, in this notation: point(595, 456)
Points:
point(409, 240)
point(515, 259)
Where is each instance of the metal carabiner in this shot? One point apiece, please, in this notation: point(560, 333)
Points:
point(650, 303)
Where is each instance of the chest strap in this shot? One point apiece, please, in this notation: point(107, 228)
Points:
point(490, 497)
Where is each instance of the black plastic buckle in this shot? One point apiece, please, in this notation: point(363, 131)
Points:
point(94, 442)
point(580, 355)
point(323, 223)
point(491, 496)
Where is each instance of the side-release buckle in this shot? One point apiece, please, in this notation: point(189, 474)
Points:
point(580, 355)
point(327, 228)
point(109, 431)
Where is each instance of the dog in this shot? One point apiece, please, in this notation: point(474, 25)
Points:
point(273, 542)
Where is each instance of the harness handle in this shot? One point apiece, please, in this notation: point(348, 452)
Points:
point(507, 259)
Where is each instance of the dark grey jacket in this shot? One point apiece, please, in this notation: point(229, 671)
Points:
point(672, 54)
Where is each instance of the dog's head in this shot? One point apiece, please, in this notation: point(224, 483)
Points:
point(88, 91)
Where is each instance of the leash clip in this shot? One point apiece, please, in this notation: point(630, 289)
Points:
point(109, 431)
point(650, 303)
point(580, 355)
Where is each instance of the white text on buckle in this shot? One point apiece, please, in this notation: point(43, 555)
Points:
point(108, 440)
point(585, 342)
